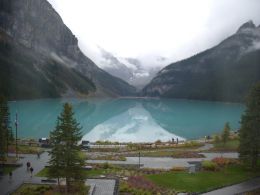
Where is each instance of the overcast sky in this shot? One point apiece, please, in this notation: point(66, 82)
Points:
point(147, 29)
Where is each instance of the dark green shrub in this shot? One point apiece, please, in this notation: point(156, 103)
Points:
point(106, 165)
point(209, 165)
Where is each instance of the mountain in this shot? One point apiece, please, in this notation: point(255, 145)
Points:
point(130, 70)
point(27, 74)
point(40, 56)
point(113, 66)
point(222, 73)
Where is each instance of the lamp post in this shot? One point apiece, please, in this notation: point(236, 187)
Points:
point(139, 160)
point(16, 126)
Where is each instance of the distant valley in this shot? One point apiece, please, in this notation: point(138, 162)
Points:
point(130, 70)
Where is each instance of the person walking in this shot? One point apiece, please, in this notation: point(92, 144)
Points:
point(28, 164)
point(31, 170)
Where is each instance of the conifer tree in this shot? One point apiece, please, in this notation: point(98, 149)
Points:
point(226, 133)
point(56, 161)
point(65, 160)
point(249, 133)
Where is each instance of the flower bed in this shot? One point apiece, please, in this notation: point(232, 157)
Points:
point(221, 161)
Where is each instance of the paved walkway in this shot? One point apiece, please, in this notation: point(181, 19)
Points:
point(102, 186)
point(237, 188)
point(20, 174)
point(165, 162)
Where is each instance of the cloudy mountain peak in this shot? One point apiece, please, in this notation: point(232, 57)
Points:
point(224, 72)
point(248, 25)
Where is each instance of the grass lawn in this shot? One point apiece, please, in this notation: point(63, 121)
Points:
point(231, 145)
point(94, 172)
point(42, 173)
point(202, 181)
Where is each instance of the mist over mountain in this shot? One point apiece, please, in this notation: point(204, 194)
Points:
point(40, 56)
point(131, 70)
point(224, 72)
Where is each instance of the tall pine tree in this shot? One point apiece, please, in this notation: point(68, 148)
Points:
point(225, 133)
point(250, 128)
point(65, 160)
point(56, 161)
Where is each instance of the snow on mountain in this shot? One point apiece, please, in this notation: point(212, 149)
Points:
point(133, 70)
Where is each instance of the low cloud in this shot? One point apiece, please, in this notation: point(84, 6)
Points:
point(173, 29)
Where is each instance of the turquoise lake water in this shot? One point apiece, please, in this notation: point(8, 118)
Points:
point(125, 120)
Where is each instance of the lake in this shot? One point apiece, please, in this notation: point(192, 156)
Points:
point(128, 120)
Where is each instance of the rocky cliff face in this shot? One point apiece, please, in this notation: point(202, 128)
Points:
point(224, 72)
point(35, 27)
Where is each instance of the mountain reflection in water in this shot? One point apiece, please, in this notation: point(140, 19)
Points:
point(135, 120)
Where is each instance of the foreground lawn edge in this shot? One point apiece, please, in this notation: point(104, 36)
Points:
point(202, 181)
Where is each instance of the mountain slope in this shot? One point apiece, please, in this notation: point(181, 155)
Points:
point(224, 72)
point(23, 76)
point(45, 53)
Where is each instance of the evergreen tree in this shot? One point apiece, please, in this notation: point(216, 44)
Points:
point(56, 161)
point(225, 133)
point(249, 133)
point(5, 129)
point(65, 159)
